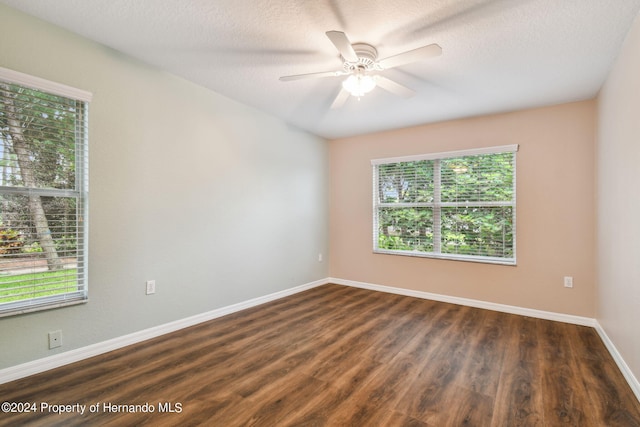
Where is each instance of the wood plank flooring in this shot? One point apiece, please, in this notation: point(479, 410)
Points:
point(341, 356)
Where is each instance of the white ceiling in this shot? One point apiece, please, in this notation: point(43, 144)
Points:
point(498, 55)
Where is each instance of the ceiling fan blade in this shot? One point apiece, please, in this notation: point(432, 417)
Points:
point(342, 43)
point(393, 87)
point(415, 55)
point(340, 99)
point(313, 75)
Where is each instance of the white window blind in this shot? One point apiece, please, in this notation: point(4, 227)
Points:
point(455, 205)
point(43, 194)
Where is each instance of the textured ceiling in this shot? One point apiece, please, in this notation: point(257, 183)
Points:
point(498, 55)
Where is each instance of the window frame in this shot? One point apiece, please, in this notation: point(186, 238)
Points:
point(80, 193)
point(437, 205)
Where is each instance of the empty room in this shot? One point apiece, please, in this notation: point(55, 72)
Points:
point(322, 213)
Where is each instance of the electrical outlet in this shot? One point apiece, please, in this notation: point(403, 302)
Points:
point(319, 257)
point(151, 287)
point(55, 339)
point(568, 282)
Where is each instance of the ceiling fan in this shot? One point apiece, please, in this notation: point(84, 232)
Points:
point(362, 66)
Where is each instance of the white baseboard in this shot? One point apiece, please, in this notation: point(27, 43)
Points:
point(622, 365)
point(51, 362)
point(540, 314)
point(40, 365)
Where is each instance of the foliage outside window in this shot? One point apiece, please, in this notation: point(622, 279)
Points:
point(43, 194)
point(458, 205)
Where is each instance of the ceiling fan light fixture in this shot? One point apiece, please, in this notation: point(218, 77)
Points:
point(359, 84)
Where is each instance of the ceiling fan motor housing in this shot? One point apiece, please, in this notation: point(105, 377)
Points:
point(367, 56)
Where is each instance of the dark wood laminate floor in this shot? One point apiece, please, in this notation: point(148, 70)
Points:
point(341, 356)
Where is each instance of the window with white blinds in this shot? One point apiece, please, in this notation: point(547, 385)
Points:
point(43, 194)
point(456, 205)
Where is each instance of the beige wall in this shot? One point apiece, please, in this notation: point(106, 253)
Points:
point(618, 157)
point(555, 210)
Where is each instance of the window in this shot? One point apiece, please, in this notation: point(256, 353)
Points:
point(43, 194)
point(457, 205)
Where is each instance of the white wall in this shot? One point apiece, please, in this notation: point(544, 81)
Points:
point(216, 201)
point(618, 164)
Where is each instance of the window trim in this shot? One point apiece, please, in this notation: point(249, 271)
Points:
point(81, 193)
point(22, 79)
point(447, 154)
point(513, 148)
